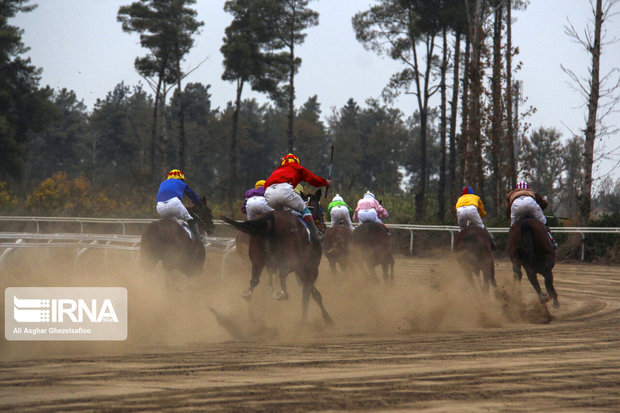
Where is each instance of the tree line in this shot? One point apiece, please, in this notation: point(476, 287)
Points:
point(454, 52)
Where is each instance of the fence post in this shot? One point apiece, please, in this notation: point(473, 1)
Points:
point(583, 246)
point(411, 242)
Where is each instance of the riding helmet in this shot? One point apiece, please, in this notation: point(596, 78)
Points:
point(288, 159)
point(260, 183)
point(176, 174)
point(523, 185)
point(468, 190)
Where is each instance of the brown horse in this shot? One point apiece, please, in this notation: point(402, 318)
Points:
point(529, 246)
point(280, 238)
point(167, 241)
point(371, 243)
point(472, 247)
point(336, 246)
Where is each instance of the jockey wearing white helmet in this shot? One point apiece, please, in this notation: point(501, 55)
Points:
point(339, 212)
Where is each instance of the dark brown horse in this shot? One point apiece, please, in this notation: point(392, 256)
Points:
point(336, 247)
point(371, 245)
point(472, 247)
point(279, 238)
point(529, 246)
point(167, 241)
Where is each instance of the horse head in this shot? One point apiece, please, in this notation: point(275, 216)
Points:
point(204, 216)
point(313, 201)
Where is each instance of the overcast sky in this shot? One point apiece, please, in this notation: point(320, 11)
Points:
point(80, 46)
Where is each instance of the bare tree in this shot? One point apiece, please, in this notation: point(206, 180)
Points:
point(601, 92)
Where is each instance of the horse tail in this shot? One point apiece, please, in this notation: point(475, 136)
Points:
point(261, 226)
point(527, 237)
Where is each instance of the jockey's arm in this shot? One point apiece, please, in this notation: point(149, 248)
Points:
point(192, 195)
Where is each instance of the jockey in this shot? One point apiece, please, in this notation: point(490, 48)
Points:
point(254, 203)
point(369, 209)
point(339, 211)
point(279, 192)
point(522, 202)
point(169, 198)
point(470, 209)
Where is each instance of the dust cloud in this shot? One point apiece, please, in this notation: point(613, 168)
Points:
point(167, 311)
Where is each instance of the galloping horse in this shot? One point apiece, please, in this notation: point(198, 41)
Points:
point(529, 246)
point(336, 246)
point(472, 247)
point(281, 239)
point(372, 246)
point(165, 240)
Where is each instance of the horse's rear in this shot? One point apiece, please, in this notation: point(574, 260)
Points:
point(472, 247)
point(166, 241)
point(281, 238)
point(336, 247)
point(371, 242)
point(529, 246)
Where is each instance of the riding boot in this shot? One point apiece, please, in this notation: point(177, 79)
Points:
point(492, 238)
point(193, 226)
point(314, 231)
point(555, 244)
point(386, 229)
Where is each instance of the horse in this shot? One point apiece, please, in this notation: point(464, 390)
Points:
point(336, 246)
point(529, 246)
point(167, 241)
point(371, 242)
point(279, 238)
point(472, 247)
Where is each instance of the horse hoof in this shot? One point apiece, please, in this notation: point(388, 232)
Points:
point(556, 303)
point(247, 294)
point(280, 295)
point(544, 298)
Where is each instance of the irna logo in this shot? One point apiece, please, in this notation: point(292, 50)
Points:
point(28, 310)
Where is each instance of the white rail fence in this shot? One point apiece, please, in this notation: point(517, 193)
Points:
point(85, 241)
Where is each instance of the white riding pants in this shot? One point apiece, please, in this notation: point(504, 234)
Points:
point(256, 206)
point(524, 206)
point(173, 208)
point(468, 213)
point(282, 196)
point(368, 215)
point(340, 214)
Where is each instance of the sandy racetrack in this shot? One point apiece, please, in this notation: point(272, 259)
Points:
point(431, 342)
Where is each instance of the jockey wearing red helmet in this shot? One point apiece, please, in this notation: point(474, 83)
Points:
point(522, 202)
point(280, 193)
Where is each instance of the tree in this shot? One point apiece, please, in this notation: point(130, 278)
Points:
point(24, 107)
point(247, 59)
point(594, 90)
point(294, 18)
point(166, 29)
point(395, 28)
point(543, 162)
point(59, 147)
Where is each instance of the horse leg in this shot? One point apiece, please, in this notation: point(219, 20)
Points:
point(319, 300)
point(550, 289)
point(283, 293)
point(305, 297)
point(516, 269)
point(531, 275)
point(257, 268)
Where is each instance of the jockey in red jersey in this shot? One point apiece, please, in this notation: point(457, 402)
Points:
point(280, 193)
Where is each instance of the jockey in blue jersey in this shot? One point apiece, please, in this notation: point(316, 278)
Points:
point(169, 199)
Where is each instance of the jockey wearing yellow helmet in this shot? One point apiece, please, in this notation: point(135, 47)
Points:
point(279, 192)
point(169, 200)
point(254, 203)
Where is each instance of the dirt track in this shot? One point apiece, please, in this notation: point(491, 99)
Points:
point(432, 343)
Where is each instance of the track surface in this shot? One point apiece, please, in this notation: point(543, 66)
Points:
point(571, 363)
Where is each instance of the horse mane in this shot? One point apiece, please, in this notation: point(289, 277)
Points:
point(261, 226)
